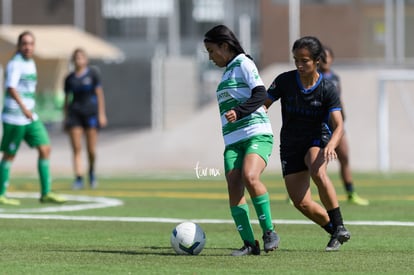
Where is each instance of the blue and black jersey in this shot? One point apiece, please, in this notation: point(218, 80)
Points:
point(305, 112)
point(305, 115)
point(82, 90)
point(334, 78)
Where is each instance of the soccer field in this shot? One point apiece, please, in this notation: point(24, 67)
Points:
point(124, 227)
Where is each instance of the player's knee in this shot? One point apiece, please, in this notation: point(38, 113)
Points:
point(301, 205)
point(44, 151)
point(250, 178)
point(316, 173)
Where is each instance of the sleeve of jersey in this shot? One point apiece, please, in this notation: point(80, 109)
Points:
point(334, 100)
point(96, 78)
point(251, 74)
point(258, 95)
point(273, 92)
point(12, 76)
point(256, 100)
point(338, 87)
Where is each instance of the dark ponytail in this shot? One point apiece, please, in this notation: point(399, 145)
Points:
point(222, 34)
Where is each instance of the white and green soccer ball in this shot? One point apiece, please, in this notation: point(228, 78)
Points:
point(188, 238)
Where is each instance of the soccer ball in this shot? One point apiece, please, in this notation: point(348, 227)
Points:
point(188, 238)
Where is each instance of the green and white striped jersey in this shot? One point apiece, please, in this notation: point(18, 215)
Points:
point(239, 79)
point(21, 75)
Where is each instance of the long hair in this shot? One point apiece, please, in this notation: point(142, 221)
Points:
point(313, 45)
point(222, 34)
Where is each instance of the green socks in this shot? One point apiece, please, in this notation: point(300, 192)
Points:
point(4, 176)
point(241, 217)
point(262, 205)
point(44, 175)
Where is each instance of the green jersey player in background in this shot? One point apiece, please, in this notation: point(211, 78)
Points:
point(21, 123)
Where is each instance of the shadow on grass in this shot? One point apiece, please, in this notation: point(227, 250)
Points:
point(148, 250)
point(145, 251)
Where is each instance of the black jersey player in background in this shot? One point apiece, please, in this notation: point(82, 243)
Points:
point(307, 143)
point(343, 149)
point(84, 114)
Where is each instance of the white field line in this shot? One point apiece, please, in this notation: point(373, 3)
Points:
point(175, 221)
point(102, 202)
point(88, 202)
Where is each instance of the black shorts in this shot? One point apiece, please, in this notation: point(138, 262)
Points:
point(294, 150)
point(77, 119)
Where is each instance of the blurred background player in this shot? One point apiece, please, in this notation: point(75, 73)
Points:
point(84, 113)
point(342, 150)
point(307, 143)
point(248, 137)
point(21, 123)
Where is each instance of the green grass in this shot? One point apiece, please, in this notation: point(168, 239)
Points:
point(32, 246)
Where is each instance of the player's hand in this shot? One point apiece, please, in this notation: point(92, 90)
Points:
point(329, 153)
point(27, 113)
point(231, 116)
point(102, 121)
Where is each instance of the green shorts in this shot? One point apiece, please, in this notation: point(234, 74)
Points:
point(234, 153)
point(34, 134)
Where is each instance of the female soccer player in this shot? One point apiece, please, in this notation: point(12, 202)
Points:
point(247, 136)
point(21, 123)
point(307, 143)
point(84, 113)
point(342, 150)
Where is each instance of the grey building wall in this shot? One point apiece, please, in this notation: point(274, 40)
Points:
point(127, 88)
point(55, 12)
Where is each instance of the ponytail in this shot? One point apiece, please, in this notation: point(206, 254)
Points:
point(222, 34)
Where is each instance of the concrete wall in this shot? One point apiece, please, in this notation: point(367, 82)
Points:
point(127, 88)
point(130, 86)
point(180, 90)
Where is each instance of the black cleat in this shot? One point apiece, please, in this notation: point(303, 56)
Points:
point(340, 236)
point(247, 249)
